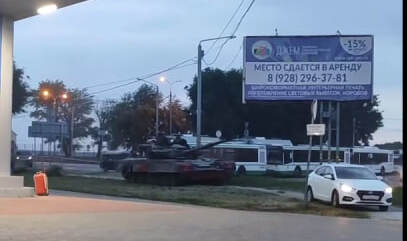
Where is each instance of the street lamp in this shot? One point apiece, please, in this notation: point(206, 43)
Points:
point(163, 80)
point(199, 89)
point(47, 9)
point(46, 94)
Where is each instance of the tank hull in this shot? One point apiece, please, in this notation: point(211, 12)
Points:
point(170, 172)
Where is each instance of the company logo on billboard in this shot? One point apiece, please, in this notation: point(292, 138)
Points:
point(261, 49)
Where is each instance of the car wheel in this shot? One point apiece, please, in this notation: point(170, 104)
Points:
point(241, 171)
point(309, 195)
point(382, 171)
point(383, 208)
point(297, 171)
point(335, 199)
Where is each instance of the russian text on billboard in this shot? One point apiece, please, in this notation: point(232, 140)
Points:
point(308, 67)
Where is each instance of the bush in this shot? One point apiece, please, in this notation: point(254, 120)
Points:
point(398, 196)
point(54, 171)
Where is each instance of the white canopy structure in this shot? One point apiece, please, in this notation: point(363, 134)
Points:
point(11, 11)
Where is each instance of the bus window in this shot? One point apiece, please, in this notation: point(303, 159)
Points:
point(373, 158)
point(274, 155)
point(354, 159)
point(246, 155)
point(314, 156)
point(229, 154)
point(288, 156)
point(300, 155)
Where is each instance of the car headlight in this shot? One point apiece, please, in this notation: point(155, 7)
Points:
point(18, 158)
point(388, 190)
point(346, 188)
point(30, 157)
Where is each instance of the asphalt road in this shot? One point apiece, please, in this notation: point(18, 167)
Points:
point(69, 216)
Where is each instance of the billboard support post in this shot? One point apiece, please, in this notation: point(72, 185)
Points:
point(321, 106)
point(329, 129)
point(337, 129)
point(314, 106)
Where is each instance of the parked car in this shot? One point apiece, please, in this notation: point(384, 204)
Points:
point(347, 184)
point(113, 160)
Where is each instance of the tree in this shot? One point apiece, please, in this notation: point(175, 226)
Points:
point(222, 109)
point(133, 118)
point(75, 110)
point(180, 120)
point(397, 145)
point(103, 112)
point(21, 91)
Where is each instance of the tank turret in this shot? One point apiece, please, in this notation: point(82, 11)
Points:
point(174, 150)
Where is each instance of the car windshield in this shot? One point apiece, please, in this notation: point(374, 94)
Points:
point(27, 153)
point(354, 173)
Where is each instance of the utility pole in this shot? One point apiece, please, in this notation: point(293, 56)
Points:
point(170, 111)
point(72, 127)
point(199, 96)
point(199, 88)
point(156, 112)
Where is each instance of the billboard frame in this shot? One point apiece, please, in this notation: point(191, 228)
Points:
point(244, 77)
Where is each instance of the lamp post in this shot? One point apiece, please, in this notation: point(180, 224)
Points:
point(162, 80)
point(156, 111)
point(199, 89)
point(46, 94)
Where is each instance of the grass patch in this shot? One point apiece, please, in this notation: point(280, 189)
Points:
point(398, 196)
point(213, 196)
point(293, 184)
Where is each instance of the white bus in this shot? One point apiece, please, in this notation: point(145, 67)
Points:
point(379, 160)
point(292, 160)
point(249, 155)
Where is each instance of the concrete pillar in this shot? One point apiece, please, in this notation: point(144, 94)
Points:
point(6, 87)
point(10, 186)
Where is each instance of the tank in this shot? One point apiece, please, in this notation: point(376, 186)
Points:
point(175, 164)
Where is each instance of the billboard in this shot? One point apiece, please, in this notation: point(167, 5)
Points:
point(331, 67)
point(48, 129)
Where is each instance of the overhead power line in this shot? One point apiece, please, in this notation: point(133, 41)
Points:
point(232, 34)
point(176, 66)
point(235, 56)
point(226, 26)
point(143, 78)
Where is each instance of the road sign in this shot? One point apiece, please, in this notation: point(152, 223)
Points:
point(102, 132)
point(331, 67)
point(48, 129)
point(316, 129)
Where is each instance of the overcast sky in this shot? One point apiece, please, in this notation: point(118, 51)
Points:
point(101, 41)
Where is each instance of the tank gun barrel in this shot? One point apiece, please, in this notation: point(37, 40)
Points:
point(206, 146)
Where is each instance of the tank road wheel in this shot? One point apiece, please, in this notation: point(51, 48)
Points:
point(127, 173)
point(174, 180)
